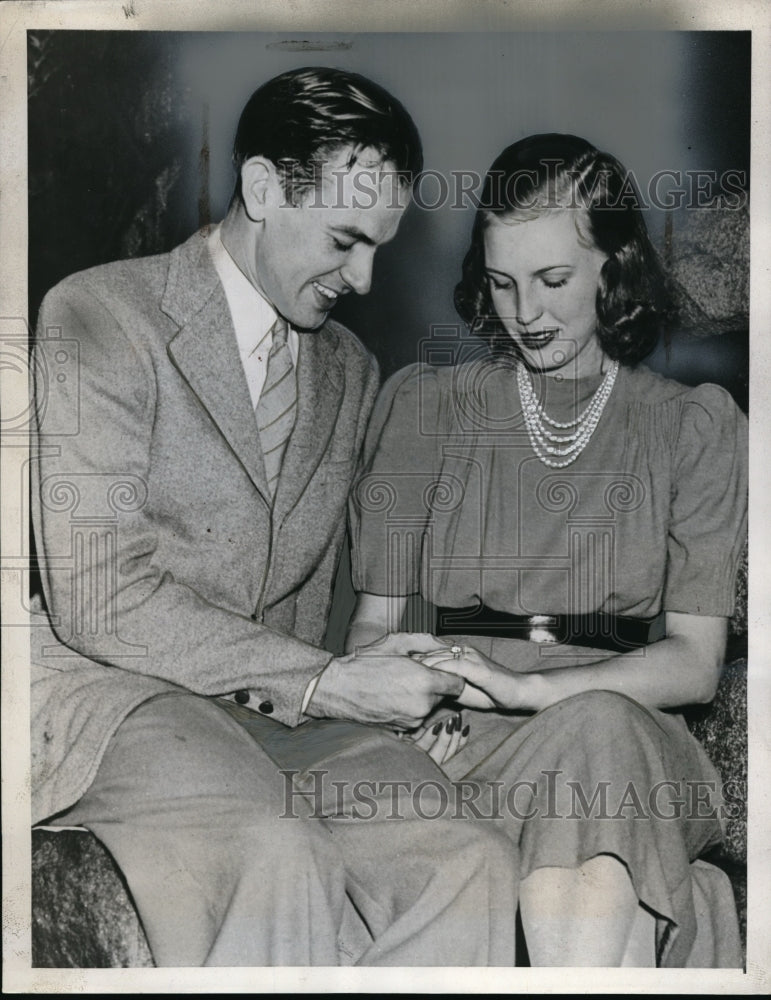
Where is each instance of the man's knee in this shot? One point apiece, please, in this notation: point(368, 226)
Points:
point(293, 845)
point(485, 844)
point(468, 822)
point(186, 746)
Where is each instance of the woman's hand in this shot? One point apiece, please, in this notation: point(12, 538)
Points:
point(442, 735)
point(488, 685)
point(681, 669)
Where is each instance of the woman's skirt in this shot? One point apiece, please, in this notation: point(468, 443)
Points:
point(598, 773)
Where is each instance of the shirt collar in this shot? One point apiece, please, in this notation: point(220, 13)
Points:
point(252, 314)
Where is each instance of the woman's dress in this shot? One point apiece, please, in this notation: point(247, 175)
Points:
point(454, 506)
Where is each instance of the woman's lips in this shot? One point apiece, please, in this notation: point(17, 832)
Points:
point(537, 338)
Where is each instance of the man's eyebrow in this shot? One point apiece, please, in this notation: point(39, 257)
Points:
point(355, 234)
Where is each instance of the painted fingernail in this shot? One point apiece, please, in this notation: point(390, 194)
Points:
point(437, 729)
point(450, 727)
point(466, 730)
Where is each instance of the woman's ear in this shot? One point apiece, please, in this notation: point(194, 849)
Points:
point(257, 179)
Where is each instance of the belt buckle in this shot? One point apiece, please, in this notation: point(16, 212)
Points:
point(542, 628)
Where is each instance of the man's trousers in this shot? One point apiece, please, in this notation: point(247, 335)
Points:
point(231, 862)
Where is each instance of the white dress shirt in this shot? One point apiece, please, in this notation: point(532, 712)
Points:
point(253, 318)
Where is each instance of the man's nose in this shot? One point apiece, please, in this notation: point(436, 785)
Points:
point(357, 270)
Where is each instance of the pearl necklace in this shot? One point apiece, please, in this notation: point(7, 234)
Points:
point(566, 446)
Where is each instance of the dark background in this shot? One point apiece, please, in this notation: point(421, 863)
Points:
point(130, 136)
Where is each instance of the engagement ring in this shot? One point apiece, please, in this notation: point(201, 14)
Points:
point(457, 652)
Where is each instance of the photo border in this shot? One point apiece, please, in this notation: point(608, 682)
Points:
point(348, 17)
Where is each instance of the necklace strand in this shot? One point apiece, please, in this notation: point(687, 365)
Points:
point(565, 446)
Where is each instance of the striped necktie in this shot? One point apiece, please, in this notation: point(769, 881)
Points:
point(277, 404)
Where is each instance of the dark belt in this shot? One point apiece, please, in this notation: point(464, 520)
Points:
point(601, 631)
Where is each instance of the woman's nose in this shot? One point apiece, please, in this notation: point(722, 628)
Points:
point(528, 308)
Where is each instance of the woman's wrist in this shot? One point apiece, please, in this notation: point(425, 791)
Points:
point(544, 688)
point(525, 691)
point(533, 690)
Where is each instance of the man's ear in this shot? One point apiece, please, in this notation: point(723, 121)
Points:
point(258, 180)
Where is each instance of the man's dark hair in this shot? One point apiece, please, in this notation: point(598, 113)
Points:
point(298, 118)
point(550, 172)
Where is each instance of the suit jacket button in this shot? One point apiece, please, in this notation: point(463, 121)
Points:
point(242, 696)
point(266, 707)
point(255, 617)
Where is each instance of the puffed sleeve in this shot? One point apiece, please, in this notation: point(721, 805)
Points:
point(708, 514)
point(389, 506)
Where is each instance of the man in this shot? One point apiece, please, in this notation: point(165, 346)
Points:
point(189, 504)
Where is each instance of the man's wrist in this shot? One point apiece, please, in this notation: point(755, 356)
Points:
point(309, 693)
point(313, 701)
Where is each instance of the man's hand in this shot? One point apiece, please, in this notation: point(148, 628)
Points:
point(399, 643)
point(380, 683)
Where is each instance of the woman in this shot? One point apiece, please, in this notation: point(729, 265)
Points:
point(576, 521)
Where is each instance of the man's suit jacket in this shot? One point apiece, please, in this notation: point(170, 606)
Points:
point(165, 566)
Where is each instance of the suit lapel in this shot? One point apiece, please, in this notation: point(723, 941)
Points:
point(205, 352)
point(320, 385)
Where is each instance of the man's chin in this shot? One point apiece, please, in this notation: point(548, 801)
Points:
point(306, 314)
point(311, 327)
